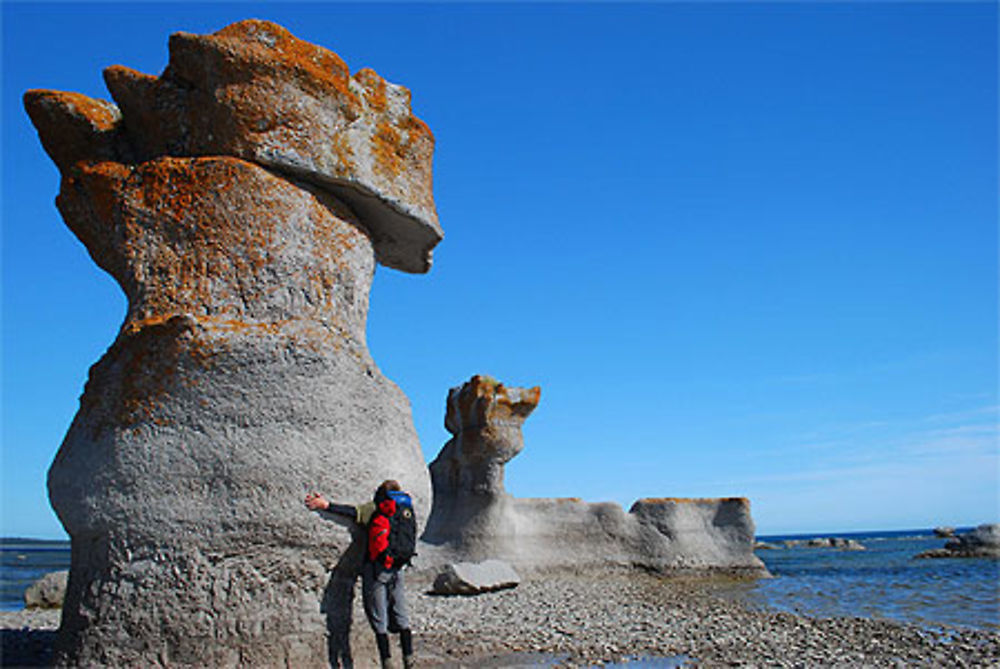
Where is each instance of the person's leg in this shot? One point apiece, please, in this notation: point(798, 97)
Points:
point(383, 649)
point(376, 599)
point(401, 616)
point(397, 601)
point(406, 642)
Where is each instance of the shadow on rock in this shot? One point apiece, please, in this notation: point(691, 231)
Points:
point(26, 647)
point(338, 601)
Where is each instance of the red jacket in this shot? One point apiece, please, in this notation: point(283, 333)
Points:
point(378, 532)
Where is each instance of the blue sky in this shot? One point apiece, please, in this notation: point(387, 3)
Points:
point(745, 249)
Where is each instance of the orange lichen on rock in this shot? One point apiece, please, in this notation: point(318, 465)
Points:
point(223, 239)
point(483, 402)
point(102, 181)
point(387, 148)
point(148, 360)
point(417, 130)
point(100, 114)
point(254, 91)
point(486, 399)
point(269, 46)
point(374, 87)
point(74, 127)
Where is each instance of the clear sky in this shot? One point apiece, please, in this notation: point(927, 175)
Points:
point(745, 249)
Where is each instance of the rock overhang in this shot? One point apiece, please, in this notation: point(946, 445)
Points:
point(254, 91)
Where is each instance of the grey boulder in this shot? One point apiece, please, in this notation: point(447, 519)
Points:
point(472, 578)
point(47, 592)
point(982, 542)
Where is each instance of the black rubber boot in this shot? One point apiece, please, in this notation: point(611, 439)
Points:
point(383, 649)
point(406, 641)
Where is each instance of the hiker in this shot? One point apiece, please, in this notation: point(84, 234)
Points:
point(391, 539)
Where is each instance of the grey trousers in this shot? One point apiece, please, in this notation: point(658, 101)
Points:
point(384, 594)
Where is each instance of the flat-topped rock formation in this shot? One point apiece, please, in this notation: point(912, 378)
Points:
point(474, 518)
point(241, 199)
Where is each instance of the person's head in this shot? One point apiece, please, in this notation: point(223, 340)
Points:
point(385, 488)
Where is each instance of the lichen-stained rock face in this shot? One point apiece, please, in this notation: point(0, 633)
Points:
point(486, 418)
point(240, 378)
point(255, 91)
point(77, 127)
point(223, 240)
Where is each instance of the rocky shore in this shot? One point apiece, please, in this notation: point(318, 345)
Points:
point(590, 618)
point(593, 618)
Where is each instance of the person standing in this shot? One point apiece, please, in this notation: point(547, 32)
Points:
point(391, 534)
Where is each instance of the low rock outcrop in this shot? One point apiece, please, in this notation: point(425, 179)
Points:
point(474, 518)
point(241, 199)
point(48, 592)
point(840, 543)
point(982, 542)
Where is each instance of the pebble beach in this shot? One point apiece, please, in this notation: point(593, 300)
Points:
point(617, 617)
point(614, 617)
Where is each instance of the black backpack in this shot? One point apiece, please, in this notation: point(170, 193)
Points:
point(402, 530)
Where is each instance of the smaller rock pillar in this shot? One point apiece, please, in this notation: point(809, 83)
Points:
point(470, 503)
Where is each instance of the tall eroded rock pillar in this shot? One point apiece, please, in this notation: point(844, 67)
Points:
point(471, 513)
point(241, 200)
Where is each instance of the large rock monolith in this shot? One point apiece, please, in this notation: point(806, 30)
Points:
point(241, 200)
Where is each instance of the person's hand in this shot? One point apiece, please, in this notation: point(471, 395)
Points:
point(316, 502)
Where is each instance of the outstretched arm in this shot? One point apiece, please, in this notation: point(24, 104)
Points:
point(316, 502)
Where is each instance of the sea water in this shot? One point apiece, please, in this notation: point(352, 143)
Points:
point(884, 581)
point(22, 562)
